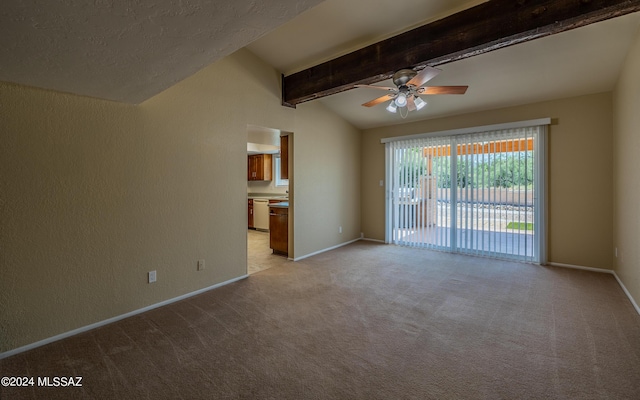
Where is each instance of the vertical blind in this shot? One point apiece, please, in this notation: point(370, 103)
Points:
point(477, 193)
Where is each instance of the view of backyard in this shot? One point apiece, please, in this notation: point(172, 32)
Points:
point(489, 185)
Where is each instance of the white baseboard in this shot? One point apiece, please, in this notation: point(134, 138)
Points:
point(604, 271)
point(325, 250)
point(175, 299)
point(114, 319)
point(601, 270)
point(633, 302)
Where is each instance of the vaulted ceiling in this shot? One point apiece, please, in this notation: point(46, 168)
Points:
point(130, 51)
point(127, 51)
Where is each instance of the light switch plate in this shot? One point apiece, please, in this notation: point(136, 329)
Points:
point(200, 265)
point(152, 276)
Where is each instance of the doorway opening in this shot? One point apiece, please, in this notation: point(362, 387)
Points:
point(269, 178)
point(479, 193)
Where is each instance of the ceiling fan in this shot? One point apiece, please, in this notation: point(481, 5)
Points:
point(409, 84)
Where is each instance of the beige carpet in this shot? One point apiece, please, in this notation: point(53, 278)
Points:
point(366, 321)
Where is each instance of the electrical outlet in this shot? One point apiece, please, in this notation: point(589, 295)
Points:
point(381, 183)
point(152, 276)
point(339, 229)
point(200, 265)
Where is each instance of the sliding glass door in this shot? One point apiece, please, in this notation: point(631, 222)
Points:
point(480, 193)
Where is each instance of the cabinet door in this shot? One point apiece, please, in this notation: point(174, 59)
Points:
point(259, 167)
point(284, 157)
point(278, 230)
point(263, 167)
point(252, 167)
point(250, 214)
point(266, 166)
point(259, 171)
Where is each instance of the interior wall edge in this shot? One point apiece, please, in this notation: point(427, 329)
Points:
point(626, 174)
point(602, 271)
point(327, 249)
point(627, 292)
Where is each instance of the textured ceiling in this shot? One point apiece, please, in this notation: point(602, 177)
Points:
point(127, 51)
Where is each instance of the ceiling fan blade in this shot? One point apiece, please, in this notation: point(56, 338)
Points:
point(377, 87)
point(424, 76)
point(411, 104)
point(442, 90)
point(379, 100)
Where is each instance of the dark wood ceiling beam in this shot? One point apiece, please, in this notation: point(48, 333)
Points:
point(480, 29)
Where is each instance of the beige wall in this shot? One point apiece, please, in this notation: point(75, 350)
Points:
point(266, 187)
point(327, 180)
point(580, 170)
point(627, 172)
point(94, 194)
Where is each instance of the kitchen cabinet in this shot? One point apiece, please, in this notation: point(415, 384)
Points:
point(284, 157)
point(250, 212)
point(279, 230)
point(259, 167)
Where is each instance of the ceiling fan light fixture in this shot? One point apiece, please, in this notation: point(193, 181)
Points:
point(409, 86)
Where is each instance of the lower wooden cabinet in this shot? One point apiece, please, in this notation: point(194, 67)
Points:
point(250, 214)
point(279, 230)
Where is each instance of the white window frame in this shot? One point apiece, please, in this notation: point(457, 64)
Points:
point(276, 172)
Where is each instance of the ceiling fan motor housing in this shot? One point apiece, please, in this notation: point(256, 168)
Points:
point(401, 77)
point(409, 84)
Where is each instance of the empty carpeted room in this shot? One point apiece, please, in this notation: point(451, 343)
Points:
point(462, 199)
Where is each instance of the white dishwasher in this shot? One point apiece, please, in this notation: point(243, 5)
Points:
point(261, 214)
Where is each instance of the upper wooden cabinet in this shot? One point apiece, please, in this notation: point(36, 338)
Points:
point(259, 167)
point(284, 157)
